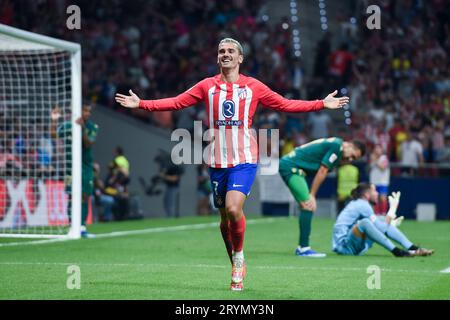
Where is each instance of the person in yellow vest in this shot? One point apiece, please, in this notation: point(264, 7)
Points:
point(347, 180)
point(121, 161)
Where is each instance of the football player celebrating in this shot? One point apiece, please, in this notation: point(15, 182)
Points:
point(231, 99)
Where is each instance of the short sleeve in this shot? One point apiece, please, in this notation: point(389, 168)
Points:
point(331, 157)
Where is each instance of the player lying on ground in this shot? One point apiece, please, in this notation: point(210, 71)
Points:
point(315, 158)
point(357, 226)
point(231, 100)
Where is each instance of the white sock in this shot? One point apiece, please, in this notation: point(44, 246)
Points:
point(304, 249)
point(238, 255)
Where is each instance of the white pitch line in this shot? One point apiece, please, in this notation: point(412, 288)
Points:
point(11, 244)
point(446, 270)
point(138, 232)
point(211, 266)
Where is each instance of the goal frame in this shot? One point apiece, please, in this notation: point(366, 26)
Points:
point(76, 101)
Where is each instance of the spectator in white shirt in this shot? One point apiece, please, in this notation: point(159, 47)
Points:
point(411, 154)
point(318, 123)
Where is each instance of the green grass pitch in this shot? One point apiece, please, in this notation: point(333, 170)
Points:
point(191, 263)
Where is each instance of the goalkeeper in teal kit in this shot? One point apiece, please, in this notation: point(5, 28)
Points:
point(357, 226)
point(314, 159)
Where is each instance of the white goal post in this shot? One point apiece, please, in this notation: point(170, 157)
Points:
point(38, 74)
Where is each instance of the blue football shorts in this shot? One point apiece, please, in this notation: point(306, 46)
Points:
point(239, 178)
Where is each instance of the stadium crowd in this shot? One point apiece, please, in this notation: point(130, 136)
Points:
point(400, 80)
point(398, 77)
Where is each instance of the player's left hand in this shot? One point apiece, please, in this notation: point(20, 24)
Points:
point(330, 102)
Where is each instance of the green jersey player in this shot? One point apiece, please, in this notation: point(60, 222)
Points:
point(314, 159)
point(89, 135)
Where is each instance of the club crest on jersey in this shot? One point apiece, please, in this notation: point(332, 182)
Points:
point(242, 93)
point(228, 109)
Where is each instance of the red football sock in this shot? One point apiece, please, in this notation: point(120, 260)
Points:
point(384, 206)
point(237, 234)
point(226, 235)
point(377, 208)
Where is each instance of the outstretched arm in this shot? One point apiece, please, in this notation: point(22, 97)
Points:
point(184, 100)
point(275, 101)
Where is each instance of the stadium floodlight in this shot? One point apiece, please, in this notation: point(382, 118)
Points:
point(37, 74)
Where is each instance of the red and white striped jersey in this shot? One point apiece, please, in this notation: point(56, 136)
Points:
point(230, 108)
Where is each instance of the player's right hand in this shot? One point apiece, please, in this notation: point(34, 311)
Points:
point(131, 101)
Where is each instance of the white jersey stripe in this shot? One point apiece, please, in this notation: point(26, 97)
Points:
point(235, 129)
point(247, 139)
point(211, 124)
point(222, 129)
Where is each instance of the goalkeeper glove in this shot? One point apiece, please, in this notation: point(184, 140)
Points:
point(394, 200)
point(397, 222)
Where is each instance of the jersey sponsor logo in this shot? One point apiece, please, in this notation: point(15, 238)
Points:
point(332, 158)
point(228, 109)
point(228, 123)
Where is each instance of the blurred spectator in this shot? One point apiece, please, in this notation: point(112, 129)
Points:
point(380, 177)
point(347, 180)
point(318, 123)
point(171, 175)
point(339, 67)
point(443, 155)
point(323, 49)
point(45, 152)
point(287, 144)
point(411, 154)
point(116, 186)
point(103, 200)
point(397, 135)
point(203, 190)
point(121, 161)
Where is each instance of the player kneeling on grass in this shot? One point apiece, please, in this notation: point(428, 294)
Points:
point(357, 226)
point(315, 158)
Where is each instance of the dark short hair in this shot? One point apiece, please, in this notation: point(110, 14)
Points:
point(119, 150)
point(360, 189)
point(361, 146)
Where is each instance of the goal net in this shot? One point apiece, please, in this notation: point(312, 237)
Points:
point(40, 164)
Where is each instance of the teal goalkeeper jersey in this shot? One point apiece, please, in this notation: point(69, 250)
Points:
point(309, 157)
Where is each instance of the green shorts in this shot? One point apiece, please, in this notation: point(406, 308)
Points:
point(296, 182)
point(87, 184)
